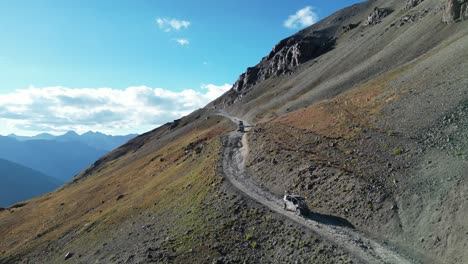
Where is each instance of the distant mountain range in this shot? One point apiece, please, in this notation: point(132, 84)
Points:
point(59, 156)
point(31, 166)
point(61, 160)
point(19, 183)
point(96, 140)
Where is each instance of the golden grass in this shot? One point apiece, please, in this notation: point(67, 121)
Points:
point(343, 114)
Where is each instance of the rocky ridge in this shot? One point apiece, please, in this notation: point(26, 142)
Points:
point(284, 58)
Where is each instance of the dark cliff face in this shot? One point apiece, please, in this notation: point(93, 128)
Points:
point(285, 57)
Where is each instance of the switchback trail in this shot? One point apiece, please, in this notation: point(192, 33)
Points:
point(235, 151)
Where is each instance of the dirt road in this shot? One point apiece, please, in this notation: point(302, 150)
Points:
point(235, 153)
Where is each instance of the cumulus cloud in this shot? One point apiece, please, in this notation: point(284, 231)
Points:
point(169, 24)
point(134, 109)
point(182, 41)
point(302, 18)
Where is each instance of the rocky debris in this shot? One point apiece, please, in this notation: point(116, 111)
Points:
point(287, 55)
point(449, 132)
point(196, 146)
point(377, 16)
point(68, 255)
point(120, 197)
point(412, 3)
point(351, 26)
point(455, 10)
point(411, 17)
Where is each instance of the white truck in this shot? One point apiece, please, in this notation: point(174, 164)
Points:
point(295, 203)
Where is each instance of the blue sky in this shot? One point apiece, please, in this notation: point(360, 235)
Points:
point(184, 47)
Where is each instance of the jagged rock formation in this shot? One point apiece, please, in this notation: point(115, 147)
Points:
point(455, 10)
point(412, 3)
point(376, 17)
point(284, 58)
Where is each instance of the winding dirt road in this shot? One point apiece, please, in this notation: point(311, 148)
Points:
point(235, 151)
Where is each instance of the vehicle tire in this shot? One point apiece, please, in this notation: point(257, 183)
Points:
point(284, 206)
point(298, 212)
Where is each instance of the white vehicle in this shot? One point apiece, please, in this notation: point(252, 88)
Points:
point(295, 203)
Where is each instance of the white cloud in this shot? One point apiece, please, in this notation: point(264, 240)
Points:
point(182, 41)
point(169, 24)
point(302, 18)
point(215, 91)
point(134, 109)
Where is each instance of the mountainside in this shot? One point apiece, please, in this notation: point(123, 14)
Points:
point(365, 114)
point(61, 160)
point(19, 183)
point(93, 139)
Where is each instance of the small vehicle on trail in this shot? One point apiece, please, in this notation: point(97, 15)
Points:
point(241, 127)
point(295, 203)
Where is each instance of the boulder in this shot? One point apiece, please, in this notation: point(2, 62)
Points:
point(455, 10)
point(68, 255)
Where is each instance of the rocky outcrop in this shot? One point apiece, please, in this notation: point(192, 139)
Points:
point(350, 27)
point(286, 56)
point(246, 79)
point(377, 16)
point(411, 17)
point(455, 10)
point(412, 3)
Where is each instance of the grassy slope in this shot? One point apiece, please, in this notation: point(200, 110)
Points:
point(93, 201)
